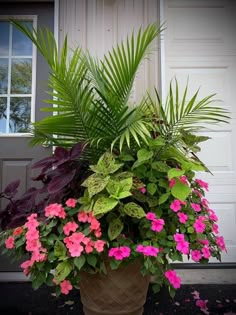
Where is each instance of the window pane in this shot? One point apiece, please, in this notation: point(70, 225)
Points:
point(3, 75)
point(21, 45)
point(4, 38)
point(3, 115)
point(21, 75)
point(20, 114)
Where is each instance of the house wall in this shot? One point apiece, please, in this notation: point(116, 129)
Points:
point(98, 25)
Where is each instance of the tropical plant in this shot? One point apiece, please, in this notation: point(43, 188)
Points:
point(92, 103)
point(139, 198)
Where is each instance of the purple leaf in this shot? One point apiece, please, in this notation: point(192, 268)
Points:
point(45, 163)
point(61, 154)
point(60, 181)
point(76, 150)
point(17, 221)
point(11, 189)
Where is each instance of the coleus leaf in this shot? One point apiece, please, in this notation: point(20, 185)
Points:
point(60, 181)
point(11, 189)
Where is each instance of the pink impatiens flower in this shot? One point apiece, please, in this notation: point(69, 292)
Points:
point(119, 253)
point(202, 184)
point(71, 202)
point(196, 207)
point(147, 250)
point(18, 231)
point(183, 247)
point(220, 242)
point(142, 190)
point(196, 255)
point(82, 217)
point(55, 210)
point(10, 242)
point(66, 287)
point(206, 252)
point(99, 245)
point(176, 205)
point(172, 182)
point(157, 225)
point(199, 226)
point(70, 227)
point(183, 179)
point(150, 216)
point(174, 280)
point(178, 237)
point(182, 217)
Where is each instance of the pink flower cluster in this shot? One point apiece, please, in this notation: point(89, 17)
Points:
point(199, 224)
point(182, 178)
point(119, 253)
point(147, 250)
point(65, 286)
point(77, 242)
point(177, 204)
point(157, 224)
point(182, 245)
point(202, 184)
point(174, 280)
point(55, 210)
point(33, 244)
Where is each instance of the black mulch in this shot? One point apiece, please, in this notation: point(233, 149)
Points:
point(20, 299)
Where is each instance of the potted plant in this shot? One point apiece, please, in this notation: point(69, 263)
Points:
point(122, 198)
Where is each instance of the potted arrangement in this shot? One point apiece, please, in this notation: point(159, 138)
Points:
point(120, 199)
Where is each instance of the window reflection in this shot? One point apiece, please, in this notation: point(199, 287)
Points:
point(20, 114)
point(3, 75)
point(3, 114)
point(21, 45)
point(21, 76)
point(4, 38)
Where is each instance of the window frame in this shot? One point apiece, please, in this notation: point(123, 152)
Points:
point(32, 18)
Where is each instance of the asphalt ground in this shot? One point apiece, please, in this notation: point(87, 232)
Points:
point(20, 299)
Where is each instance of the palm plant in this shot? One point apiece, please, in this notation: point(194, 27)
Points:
point(91, 99)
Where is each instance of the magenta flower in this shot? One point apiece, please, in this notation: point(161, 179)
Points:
point(202, 184)
point(183, 247)
point(147, 250)
point(157, 225)
point(150, 216)
point(176, 205)
point(119, 253)
point(196, 255)
point(196, 207)
point(184, 179)
point(199, 226)
point(220, 242)
point(142, 190)
point(206, 252)
point(178, 237)
point(172, 182)
point(174, 280)
point(182, 217)
point(212, 215)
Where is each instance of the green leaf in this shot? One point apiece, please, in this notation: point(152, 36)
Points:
point(59, 249)
point(106, 165)
point(95, 183)
point(63, 269)
point(92, 260)
point(174, 172)
point(79, 261)
point(160, 166)
point(104, 205)
point(39, 280)
point(116, 188)
point(151, 188)
point(163, 198)
point(180, 191)
point(126, 157)
point(143, 156)
point(134, 210)
point(124, 194)
point(190, 230)
point(115, 228)
point(157, 142)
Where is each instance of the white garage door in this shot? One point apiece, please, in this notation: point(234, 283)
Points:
point(200, 44)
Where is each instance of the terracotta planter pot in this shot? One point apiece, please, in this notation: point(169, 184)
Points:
point(120, 292)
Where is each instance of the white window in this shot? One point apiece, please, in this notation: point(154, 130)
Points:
point(17, 78)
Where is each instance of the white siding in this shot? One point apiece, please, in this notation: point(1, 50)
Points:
point(98, 25)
